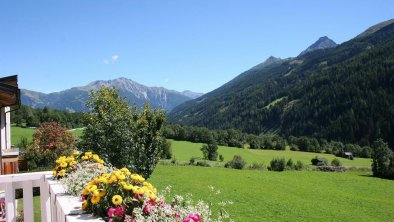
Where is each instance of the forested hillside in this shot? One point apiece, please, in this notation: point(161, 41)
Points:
point(344, 93)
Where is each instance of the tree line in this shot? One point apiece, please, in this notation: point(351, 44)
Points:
point(27, 116)
point(236, 138)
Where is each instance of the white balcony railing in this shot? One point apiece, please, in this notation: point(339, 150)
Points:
point(56, 205)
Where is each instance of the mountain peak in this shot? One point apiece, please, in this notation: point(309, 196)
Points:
point(322, 43)
point(271, 59)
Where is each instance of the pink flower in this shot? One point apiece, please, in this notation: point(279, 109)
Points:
point(110, 212)
point(146, 209)
point(192, 218)
point(119, 211)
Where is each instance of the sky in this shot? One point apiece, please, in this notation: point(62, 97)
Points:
point(195, 45)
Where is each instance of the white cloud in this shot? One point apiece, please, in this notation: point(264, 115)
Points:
point(166, 80)
point(112, 60)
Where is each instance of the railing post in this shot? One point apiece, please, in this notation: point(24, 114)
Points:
point(28, 213)
point(10, 202)
point(45, 200)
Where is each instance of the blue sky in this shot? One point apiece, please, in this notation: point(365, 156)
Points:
point(196, 45)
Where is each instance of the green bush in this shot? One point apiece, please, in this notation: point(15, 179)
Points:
point(221, 158)
point(210, 151)
point(319, 161)
point(277, 164)
point(166, 152)
point(236, 163)
point(123, 136)
point(289, 164)
point(256, 166)
point(336, 162)
point(299, 165)
point(382, 160)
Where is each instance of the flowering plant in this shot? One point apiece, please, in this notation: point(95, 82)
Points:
point(113, 195)
point(119, 195)
point(65, 165)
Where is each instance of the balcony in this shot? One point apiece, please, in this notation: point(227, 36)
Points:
point(56, 205)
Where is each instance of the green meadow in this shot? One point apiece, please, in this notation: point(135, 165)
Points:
point(285, 196)
point(183, 151)
point(261, 195)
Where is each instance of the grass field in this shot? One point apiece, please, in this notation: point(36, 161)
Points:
point(18, 132)
point(36, 207)
point(277, 196)
point(286, 196)
point(183, 151)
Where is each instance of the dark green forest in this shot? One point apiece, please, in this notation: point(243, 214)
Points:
point(26, 116)
point(343, 94)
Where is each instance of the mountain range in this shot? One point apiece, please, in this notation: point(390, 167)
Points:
point(339, 92)
point(74, 99)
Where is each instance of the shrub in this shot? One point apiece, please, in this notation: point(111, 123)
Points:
point(221, 158)
point(210, 151)
point(382, 160)
point(290, 164)
point(236, 163)
point(299, 165)
point(256, 166)
point(319, 161)
point(166, 152)
point(23, 143)
point(331, 168)
point(123, 136)
point(277, 164)
point(336, 162)
point(192, 160)
point(203, 163)
point(50, 141)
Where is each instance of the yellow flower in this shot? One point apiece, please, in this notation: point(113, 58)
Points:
point(138, 190)
point(95, 157)
point(84, 157)
point(63, 164)
point(93, 188)
point(137, 178)
point(125, 171)
point(54, 173)
point(120, 176)
point(62, 173)
point(85, 191)
point(100, 166)
point(127, 186)
point(101, 192)
point(117, 200)
point(112, 179)
point(76, 153)
point(88, 154)
point(84, 204)
point(95, 199)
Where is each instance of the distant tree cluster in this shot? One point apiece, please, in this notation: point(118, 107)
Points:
point(30, 117)
point(383, 160)
point(230, 137)
point(236, 138)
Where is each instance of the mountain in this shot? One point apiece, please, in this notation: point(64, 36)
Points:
point(340, 93)
point(375, 28)
point(322, 43)
point(74, 99)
